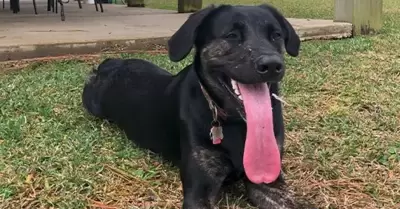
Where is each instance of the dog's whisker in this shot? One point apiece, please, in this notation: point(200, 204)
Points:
point(279, 99)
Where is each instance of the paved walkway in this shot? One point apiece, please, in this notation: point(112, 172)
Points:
point(25, 35)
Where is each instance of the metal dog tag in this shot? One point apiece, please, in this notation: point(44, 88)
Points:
point(216, 134)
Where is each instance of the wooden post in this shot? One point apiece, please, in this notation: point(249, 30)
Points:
point(185, 6)
point(135, 3)
point(365, 15)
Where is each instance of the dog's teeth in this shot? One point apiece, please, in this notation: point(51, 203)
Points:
point(237, 91)
point(235, 87)
point(240, 97)
point(234, 83)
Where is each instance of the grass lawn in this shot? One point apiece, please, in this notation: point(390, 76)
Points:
point(292, 8)
point(342, 122)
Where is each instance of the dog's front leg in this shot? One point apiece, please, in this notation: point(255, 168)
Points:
point(202, 173)
point(274, 196)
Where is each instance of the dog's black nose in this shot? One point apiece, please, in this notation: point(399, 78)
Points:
point(269, 64)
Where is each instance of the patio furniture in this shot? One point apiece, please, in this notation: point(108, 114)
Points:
point(51, 5)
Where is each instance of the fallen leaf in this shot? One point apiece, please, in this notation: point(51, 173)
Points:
point(29, 179)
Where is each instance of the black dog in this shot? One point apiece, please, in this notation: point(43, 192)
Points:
point(215, 120)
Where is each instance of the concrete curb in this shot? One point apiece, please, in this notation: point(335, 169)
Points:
point(343, 30)
point(44, 50)
point(335, 31)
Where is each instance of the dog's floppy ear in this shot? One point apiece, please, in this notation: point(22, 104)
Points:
point(180, 44)
point(292, 40)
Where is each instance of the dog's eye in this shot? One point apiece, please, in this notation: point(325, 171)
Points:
point(234, 35)
point(276, 36)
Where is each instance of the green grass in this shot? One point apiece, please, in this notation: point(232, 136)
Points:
point(293, 8)
point(342, 122)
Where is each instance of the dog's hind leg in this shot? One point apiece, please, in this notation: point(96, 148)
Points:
point(274, 196)
point(202, 175)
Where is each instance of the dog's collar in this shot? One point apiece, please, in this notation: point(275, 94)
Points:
point(216, 110)
point(216, 133)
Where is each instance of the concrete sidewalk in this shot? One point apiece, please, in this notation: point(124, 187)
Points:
point(25, 35)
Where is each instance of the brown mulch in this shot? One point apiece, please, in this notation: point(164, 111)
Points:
point(14, 65)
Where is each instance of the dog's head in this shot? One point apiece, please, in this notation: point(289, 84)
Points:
point(239, 53)
point(235, 45)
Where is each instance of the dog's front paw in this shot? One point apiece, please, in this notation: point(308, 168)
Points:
point(276, 197)
point(300, 203)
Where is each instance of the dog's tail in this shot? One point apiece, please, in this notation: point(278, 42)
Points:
point(94, 87)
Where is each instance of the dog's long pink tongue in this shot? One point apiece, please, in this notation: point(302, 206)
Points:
point(261, 160)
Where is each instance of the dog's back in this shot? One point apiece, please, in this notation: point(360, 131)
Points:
point(132, 93)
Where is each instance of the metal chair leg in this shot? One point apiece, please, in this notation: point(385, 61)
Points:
point(101, 6)
point(34, 6)
point(79, 3)
point(14, 6)
point(62, 10)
